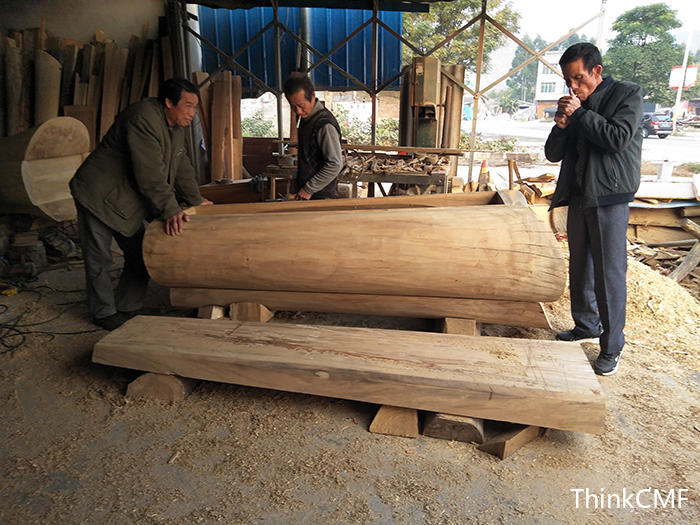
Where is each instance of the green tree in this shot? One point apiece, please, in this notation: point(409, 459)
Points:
point(644, 50)
point(425, 30)
point(257, 126)
point(522, 83)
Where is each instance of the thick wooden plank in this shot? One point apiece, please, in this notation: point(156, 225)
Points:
point(655, 217)
point(204, 109)
point(657, 234)
point(506, 253)
point(220, 126)
point(115, 64)
point(395, 421)
point(236, 130)
point(513, 313)
point(167, 58)
point(403, 201)
point(154, 76)
point(407, 149)
point(666, 190)
point(691, 211)
point(47, 85)
point(534, 382)
point(14, 79)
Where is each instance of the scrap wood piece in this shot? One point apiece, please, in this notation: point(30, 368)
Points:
point(510, 439)
point(691, 227)
point(533, 382)
point(454, 428)
point(395, 421)
point(689, 263)
point(211, 311)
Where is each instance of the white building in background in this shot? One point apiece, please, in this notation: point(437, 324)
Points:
point(550, 87)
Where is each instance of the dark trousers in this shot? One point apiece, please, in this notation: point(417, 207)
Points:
point(598, 270)
point(96, 243)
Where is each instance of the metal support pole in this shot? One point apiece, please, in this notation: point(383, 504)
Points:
point(306, 36)
point(278, 75)
point(375, 28)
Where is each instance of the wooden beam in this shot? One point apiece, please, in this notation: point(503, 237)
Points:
point(689, 263)
point(691, 227)
point(220, 127)
point(406, 149)
point(385, 203)
point(534, 382)
point(513, 313)
point(655, 217)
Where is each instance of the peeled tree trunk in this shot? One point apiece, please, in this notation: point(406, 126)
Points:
point(488, 252)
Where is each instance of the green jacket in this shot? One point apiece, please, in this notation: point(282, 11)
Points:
point(140, 171)
point(601, 148)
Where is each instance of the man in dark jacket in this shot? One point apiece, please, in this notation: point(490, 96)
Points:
point(140, 171)
point(598, 137)
point(320, 156)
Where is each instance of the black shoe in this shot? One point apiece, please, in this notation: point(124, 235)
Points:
point(577, 335)
point(112, 322)
point(606, 364)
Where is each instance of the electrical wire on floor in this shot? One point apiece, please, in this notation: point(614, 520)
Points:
point(13, 334)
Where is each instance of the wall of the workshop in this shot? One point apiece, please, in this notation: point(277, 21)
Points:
point(79, 19)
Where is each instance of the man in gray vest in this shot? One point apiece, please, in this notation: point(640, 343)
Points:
point(320, 157)
point(598, 137)
point(140, 171)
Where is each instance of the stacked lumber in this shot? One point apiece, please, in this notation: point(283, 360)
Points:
point(220, 117)
point(543, 383)
point(47, 76)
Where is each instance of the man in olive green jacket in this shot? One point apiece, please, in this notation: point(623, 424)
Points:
point(140, 171)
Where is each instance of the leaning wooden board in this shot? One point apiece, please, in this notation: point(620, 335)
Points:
point(543, 383)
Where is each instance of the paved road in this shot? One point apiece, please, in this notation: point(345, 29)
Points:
point(677, 148)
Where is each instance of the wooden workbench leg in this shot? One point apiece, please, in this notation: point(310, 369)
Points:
point(250, 312)
point(395, 421)
point(161, 387)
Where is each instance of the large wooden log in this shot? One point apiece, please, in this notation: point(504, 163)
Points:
point(36, 166)
point(512, 313)
point(480, 252)
point(544, 383)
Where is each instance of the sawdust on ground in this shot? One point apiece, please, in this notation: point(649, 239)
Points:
point(76, 451)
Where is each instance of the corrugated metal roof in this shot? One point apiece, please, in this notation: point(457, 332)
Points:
point(230, 30)
point(383, 5)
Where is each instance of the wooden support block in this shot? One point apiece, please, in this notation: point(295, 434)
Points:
point(161, 387)
point(505, 442)
point(691, 227)
point(255, 312)
point(395, 421)
point(454, 325)
point(454, 428)
point(211, 312)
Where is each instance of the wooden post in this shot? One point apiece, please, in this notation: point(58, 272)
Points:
point(510, 174)
point(236, 131)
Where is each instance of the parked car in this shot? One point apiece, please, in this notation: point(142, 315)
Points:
point(658, 124)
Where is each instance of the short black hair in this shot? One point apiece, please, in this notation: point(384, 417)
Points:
point(297, 81)
point(172, 90)
point(585, 50)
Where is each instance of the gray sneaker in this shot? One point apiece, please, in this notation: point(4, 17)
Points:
point(606, 364)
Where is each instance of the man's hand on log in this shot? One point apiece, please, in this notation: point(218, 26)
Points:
point(173, 225)
point(303, 195)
